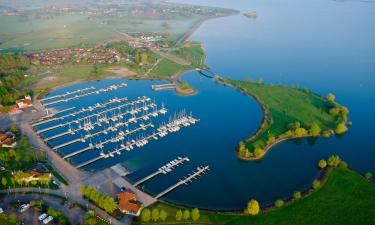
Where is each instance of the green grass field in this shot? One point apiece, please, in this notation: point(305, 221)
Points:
point(287, 105)
point(190, 51)
point(345, 198)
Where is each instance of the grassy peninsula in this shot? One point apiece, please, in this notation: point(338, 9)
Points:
point(288, 113)
point(345, 197)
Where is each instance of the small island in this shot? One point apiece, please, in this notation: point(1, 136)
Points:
point(288, 113)
point(251, 14)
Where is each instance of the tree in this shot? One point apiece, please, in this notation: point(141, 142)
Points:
point(13, 128)
point(341, 128)
point(260, 80)
point(334, 161)
point(279, 203)
point(4, 181)
point(258, 152)
point(299, 132)
point(368, 175)
point(195, 214)
point(155, 215)
point(253, 207)
point(297, 195)
point(343, 165)
point(163, 215)
point(178, 215)
point(186, 214)
point(316, 184)
point(322, 164)
point(330, 97)
point(315, 130)
point(146, 215)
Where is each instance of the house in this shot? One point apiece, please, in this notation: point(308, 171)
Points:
point(25, 102)
point(7, 140)
point(128, 203)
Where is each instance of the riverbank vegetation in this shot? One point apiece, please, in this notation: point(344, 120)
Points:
point(344, 197)
point(288, 113)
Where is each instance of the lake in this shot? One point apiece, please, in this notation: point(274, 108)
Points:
point(326, 46)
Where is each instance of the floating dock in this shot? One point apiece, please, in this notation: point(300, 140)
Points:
point(110, 88)
point(164, 169)
point(67, 93)
point(186, 180)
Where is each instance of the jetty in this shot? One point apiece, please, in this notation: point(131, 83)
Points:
point(100, 145)
point(99, 114)
point(52, 115)
point(164, 169)
point(173, 126)
point(83, 110)
point(77, 96)
point(68, 93)
point(164, 87)
point(186, 180)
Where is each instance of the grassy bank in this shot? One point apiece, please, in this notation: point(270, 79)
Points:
point(345, 198)
point(288, 113)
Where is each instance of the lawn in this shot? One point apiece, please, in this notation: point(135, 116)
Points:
point(345, 198)
point(287, 105)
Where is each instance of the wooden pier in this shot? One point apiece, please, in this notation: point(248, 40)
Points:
point(199, 172)
point(163, 170)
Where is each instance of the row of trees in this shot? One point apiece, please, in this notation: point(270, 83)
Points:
point(105, 202)
point(333, 161)
point(156, 215)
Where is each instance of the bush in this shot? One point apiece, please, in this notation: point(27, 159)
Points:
point(279, 203)
point(297, 195)
point(316, 184)
point(334, 161)
point(341, 128)
point(322, 164)
point(368, 175)
point(253, 207)
point(343, 165)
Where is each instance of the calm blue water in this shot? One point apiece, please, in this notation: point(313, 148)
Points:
point(325, 45)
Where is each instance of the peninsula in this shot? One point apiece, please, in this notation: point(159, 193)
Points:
point(288, 113)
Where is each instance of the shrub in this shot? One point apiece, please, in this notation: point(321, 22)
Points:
point(315, 130)
point(279, 203)
point(368, 175)
point(334, 161)
point(322, 164)
point(316, 184)
point(252, 207)
point(343, 165)
point(258, 152)
point(297, 195)
point(341, 128)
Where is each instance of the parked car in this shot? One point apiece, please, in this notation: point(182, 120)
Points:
point(48, 219)
point(24, 207)
point(42, 217)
